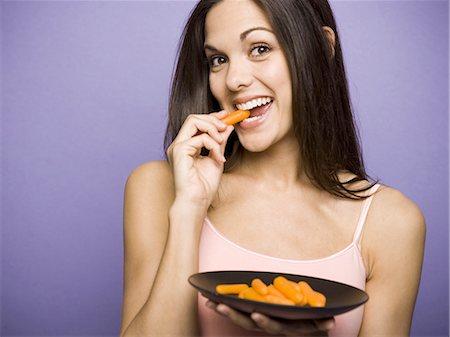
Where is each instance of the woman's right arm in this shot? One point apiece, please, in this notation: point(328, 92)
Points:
point(164, 208)
point(156, 293)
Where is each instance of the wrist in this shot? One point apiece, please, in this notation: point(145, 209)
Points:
point(191, 201)
point(188, 209)
point(186, 217)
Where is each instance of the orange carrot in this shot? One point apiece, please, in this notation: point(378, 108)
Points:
point(281, 291)
point(298, 289)
point(236, 117)
point(259, 286)
point(274, 291)
point(295, 285)
point(315, 298)
point(283, 285)
point(251, 294)
point(228, 289)
point(278, 300)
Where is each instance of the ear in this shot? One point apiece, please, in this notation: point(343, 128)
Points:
point(331, 37)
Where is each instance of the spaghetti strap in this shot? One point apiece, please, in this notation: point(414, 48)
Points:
point(363, 215)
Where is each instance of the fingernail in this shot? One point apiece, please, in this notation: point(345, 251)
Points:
point(327, 325)
point(257, 318)
point(222, 309)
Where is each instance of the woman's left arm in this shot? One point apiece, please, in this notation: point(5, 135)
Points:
point(393, 248)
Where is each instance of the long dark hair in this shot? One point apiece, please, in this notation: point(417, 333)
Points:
point(323, 120)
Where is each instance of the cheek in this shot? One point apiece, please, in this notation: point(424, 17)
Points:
point(214, 86)
point(277, 77)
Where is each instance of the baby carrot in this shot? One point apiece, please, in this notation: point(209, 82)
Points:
point(295, 285)
point(278, 300)
point(235, 117)
point(228, 289)
point(315, 299)
point(298, 289)
point(281, 291)
point(283, 285)
point(251, 294)
point(274, 291)
point(259, 286)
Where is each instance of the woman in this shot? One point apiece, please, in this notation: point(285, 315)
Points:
point(284, 190)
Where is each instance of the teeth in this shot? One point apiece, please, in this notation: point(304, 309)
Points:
point(254, 103)
point(250, 119)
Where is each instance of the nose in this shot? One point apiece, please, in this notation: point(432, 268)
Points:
point(239, 75)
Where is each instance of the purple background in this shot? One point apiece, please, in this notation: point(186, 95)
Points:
point(84, 95)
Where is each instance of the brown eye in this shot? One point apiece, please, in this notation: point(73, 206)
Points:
point(216, 61)
point(260, 50)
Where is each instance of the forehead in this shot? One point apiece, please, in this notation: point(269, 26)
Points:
point(229, 18)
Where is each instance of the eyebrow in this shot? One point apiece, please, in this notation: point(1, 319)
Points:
point(211, 48)
point(242, 37)
point(248, 31)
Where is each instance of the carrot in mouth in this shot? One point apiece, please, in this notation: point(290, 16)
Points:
point(236, 117)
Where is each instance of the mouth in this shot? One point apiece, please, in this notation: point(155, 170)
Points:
point(257, 107)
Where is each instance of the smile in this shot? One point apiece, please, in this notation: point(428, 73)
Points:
point(254, 103)
point(258, 108)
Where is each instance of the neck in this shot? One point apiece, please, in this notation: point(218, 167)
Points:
point(279, 167)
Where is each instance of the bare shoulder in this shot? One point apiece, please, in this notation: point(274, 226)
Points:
point(150, 174)
point(392, 210)
point(149, 180)
point(148, 196)
point(393, 249)
point(395, 227)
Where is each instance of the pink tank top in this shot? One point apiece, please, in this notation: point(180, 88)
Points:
point(346, 266)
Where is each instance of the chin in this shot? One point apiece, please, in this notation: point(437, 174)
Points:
point(256, 142)
point(254, 147)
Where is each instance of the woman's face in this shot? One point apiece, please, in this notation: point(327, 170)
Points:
point(249, 71)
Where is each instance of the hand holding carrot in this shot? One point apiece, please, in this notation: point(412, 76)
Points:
point(196, 176)
point(281, 291)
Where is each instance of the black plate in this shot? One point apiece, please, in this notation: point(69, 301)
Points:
point(340, 297)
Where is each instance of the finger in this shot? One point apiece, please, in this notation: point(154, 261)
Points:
point(195, 124)
point(193, 146)
point(204, 124)
point(219, 114)
point(211, 305)
point(237, 318)
point(267, 324)
point(325, 324)
point(287, 327)
point(169, 153)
